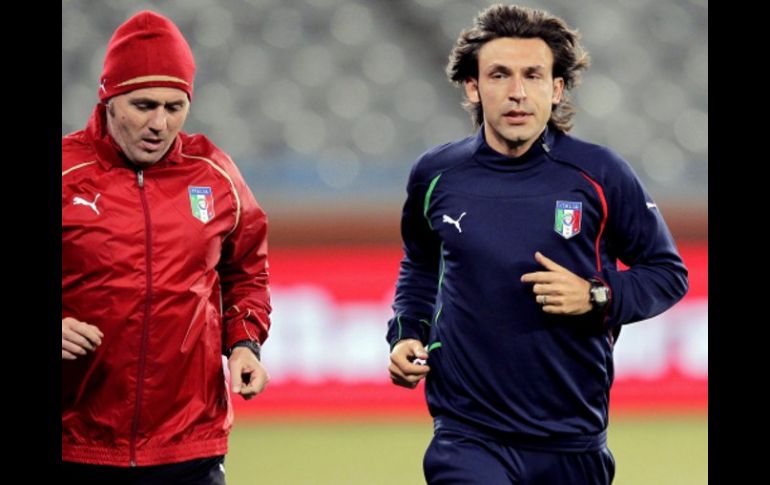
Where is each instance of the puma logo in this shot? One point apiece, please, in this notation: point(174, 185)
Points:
point(456, 223)
point(77, 200)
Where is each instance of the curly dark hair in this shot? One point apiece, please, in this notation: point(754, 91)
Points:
point(569, 57)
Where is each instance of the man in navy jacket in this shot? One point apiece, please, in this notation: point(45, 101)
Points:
point(509, 298)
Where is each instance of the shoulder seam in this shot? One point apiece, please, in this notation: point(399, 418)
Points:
point(80, 165)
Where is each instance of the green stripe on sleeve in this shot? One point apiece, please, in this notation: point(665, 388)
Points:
point(434, 345)
point(427, 198)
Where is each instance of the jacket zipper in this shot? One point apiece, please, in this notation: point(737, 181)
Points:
point(146, 324)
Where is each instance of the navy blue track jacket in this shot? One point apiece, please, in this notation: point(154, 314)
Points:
point(471, 224)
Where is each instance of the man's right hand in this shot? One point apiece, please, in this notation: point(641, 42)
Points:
point(403, 371)
point(77, 338)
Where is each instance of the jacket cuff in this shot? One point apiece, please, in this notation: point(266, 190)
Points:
point(252, 345)
point(242, 326)
point(402, 327)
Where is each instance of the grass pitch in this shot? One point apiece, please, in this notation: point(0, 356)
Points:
point(659, 450)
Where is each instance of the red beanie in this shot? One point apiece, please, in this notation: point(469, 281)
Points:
point(147, 51)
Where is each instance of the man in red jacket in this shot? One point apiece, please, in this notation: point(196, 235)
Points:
point(164, 270)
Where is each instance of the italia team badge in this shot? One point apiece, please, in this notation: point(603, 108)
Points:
point(568, 216)
point(201, 203)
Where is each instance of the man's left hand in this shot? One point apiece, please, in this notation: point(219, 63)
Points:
point(248, 377)
point(559, 290)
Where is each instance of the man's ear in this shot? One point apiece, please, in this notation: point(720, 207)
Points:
point(471, 86)
point(558, 90)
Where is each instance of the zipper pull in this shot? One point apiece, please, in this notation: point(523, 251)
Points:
point(140, 178)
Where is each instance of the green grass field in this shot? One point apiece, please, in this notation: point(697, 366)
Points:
point(663, 450)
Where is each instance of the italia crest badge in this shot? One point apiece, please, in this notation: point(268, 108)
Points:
point(201, 203)
point(567, 219)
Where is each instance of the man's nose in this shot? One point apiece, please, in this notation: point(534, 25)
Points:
point(158, 120)
point(516, 89)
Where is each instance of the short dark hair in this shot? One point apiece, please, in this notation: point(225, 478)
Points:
point(569, 57)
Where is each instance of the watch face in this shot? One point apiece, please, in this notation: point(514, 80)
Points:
point(600, 294)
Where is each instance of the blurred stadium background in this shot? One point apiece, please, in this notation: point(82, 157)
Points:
point(325, 104)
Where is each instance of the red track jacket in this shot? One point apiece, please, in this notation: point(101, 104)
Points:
point(153, 257)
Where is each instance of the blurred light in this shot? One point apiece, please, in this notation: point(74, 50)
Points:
point(283, 27)
point(601, 21)
point(181, 12)
point(443, 129)
point(338, 167)
point(213, 26)
point(696, 66)
point(280, 100)
point(671, 23)
point(313, 65)
point(630, 63)
point(598, 95)
point(692, 130)
point(262, 133)
point(638, 5)
point(77, 103)
point(323, 3)
point(119, 5)
point(233, 137)
point(248, 64)
point(663, 100)
point(663, 162)
point(456, 17)
point(75, 28)
point(628, 133)
point(431, 3)
point(304, 132)
point(348, 97)
point(263, 3)
point(352, 24)
point(212, 101)
point(383, 63)
point(96, 64)
point(374, 133)
point(415, 100)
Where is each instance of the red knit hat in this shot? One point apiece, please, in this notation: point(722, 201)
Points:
point(148, 50)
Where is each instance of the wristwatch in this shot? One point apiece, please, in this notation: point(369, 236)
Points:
point(599, 294)
point(252, 345)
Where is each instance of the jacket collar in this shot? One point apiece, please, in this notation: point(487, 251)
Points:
point(486, 155)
